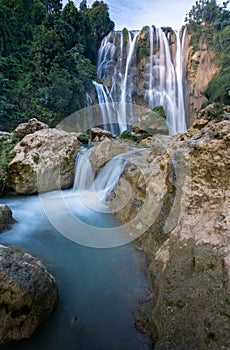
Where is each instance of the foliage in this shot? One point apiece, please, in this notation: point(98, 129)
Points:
point(218, 89)
point(125, 34)
point(7, 143)
point(83, 138)
point(47, 57)
point(128, 135)
point(159, 110)
point(143, 43)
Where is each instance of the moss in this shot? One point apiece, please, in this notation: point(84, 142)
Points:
point(159, 110)
point(125, 34)
point(143, 43)
point(128, 135)
point(83, 138)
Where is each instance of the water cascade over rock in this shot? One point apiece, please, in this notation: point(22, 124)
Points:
point(143, 68)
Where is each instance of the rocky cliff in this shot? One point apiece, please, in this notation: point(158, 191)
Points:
point(200, 69)
point(176, 199)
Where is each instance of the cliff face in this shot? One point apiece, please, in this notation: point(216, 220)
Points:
point(200, 70)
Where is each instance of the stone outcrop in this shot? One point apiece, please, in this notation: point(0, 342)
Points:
point(28, 294)
point(44, 161)
point(98, 134)
point(6, 218)
point(105, 151)
point(29, 128)
point(175, 198)
point(200, 69)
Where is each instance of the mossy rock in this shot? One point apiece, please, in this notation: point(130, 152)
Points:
point(159, 110)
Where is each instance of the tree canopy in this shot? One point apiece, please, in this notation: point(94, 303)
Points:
point(47, 57)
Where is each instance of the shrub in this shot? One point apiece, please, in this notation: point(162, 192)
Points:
point(128, 135)
point(83, 138)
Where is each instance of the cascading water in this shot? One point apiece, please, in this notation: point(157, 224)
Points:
point(94, 192)
point(155, 78)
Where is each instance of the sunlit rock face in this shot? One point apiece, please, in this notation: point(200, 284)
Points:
point(44, 161)
point(200, 69)
point(28, 294)
point(177, 191)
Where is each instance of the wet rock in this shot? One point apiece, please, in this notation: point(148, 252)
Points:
point(28, 294)
point(6, 218)
point(105, 151)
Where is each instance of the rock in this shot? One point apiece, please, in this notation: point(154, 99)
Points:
point(178, 196)
point(6, 218)
point(98, 134)
point(200, 71)
point(28, 294)
point(105, 151)
point(29, 128)
point(44, 161)
point(151, 123)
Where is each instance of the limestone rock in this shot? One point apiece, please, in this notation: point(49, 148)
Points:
point(105, 151)
point(6, 218)
point(152, 123)
point(98, 134)
point(28, 294)
point(29, 128)
point(179, 195)
point(44, 161)
point(200, 71)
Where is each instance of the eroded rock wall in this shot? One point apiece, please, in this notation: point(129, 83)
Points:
point(200, 69)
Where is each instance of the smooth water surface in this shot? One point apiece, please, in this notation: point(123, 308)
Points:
point(101, 288)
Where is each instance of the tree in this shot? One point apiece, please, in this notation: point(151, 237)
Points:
point(52, 6)
point(100, 20)
point(83, 6)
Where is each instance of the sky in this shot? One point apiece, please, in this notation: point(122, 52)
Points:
point(134, 14)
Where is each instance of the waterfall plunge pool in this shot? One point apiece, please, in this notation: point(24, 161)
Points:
point(102, 288)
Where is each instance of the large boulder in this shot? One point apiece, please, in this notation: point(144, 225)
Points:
point(6, 218)
point(105, 151)
point(44, 161)
point(30, 127)
point(28, 294)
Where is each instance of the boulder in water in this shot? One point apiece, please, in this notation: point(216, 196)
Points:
point(30, 127)
point(28, 294)
point(6, 218)
point(44, 161)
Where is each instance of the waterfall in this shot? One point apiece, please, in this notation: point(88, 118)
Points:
point(153, 80)
point(95, 191)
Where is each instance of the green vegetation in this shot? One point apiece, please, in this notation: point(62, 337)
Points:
point(47, 57)
point(125, 33)
point(209, 21)
point(159, 110)
point(128, 135)
point(143, 43)
point(83, 138)
point(7, 143)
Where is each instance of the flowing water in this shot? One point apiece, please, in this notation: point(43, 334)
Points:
point(157, 81)
point(100, 287)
